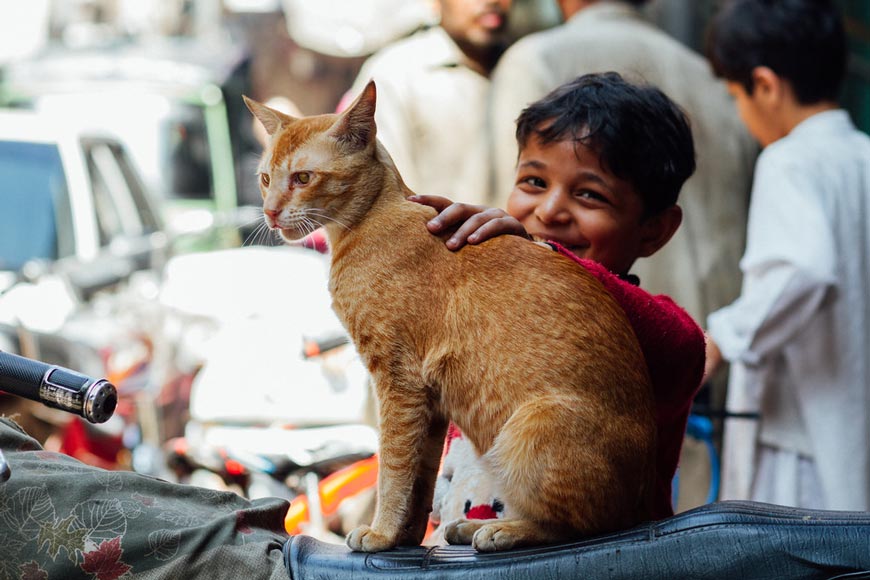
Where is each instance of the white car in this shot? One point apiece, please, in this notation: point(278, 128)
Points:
point(71, 201)
point(78, 232)
point(177, 106)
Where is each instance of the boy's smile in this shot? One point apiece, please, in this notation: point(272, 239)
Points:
point(563, 194)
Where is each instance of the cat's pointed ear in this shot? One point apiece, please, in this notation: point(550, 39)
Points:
point(356, 125)
point(271, 119)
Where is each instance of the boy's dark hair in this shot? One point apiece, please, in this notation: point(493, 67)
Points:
point(639, 134)
point(802, 41)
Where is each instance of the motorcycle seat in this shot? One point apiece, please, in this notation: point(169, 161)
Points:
point(728, 539)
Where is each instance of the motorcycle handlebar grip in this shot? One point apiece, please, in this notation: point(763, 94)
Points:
point(58, 387)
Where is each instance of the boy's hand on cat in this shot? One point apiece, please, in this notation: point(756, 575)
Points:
point(476, 223)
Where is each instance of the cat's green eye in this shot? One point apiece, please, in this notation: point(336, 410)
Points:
point(264, 179)
point(303, 177)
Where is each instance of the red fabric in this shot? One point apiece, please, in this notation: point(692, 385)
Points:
point(673, 345)
point(481, 512)
point(316, 240)
point(99, 450)
point(452, 433)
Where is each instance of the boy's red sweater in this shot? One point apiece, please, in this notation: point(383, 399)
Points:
point(673, 345)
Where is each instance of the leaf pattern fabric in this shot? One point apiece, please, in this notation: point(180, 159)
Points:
point(105, 562)
point(53, 536)
point(62, 519)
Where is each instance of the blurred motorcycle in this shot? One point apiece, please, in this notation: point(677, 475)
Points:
point(103, 335)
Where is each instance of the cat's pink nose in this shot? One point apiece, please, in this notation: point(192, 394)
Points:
point(271, 215)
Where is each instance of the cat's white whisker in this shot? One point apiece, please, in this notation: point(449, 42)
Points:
point(265, 235)
point(314, 223)
point(252, 237)
point(268, 235)
point(259, 218)
point(308, 227)
point(305, 224)
point(264, 232)
point(319, 214)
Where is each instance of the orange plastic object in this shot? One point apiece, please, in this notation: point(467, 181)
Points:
point(334, 489)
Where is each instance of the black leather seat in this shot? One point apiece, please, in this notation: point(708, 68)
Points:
point(742, 540)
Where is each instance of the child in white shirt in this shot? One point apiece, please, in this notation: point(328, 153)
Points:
point(798, 337)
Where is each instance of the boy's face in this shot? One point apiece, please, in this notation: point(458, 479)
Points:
point(561, 193)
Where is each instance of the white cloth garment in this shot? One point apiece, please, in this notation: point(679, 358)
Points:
point(800, 331)
point(431, 115)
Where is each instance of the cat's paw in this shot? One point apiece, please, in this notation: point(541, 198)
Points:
point(494, 537)
point(366, 539)
point(461, 531)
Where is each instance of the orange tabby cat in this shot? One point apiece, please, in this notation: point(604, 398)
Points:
point(525, 351)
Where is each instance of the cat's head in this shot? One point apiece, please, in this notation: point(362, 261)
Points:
point(317, 171)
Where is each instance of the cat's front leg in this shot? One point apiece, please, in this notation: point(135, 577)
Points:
point(411, 436)
point(424, 487)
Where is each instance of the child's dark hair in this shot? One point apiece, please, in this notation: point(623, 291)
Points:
point(639, 134)
point(802, 41)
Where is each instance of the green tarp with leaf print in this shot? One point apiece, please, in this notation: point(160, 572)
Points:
point(62, 519)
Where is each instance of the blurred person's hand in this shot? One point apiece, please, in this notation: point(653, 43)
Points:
point(714, 358)
point(476, 223)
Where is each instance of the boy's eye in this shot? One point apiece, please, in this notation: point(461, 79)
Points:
point(264, 179)
point(302, 177)
point(589, 194)
point(536, 182)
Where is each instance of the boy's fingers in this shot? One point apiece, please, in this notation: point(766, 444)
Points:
point(435, 201)
point(454, 214)
point(439, 204)
point(497, 227)
point(460, 237)
point(471, 229)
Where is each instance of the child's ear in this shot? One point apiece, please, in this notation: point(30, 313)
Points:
point(657, 230)
point(767, 86)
